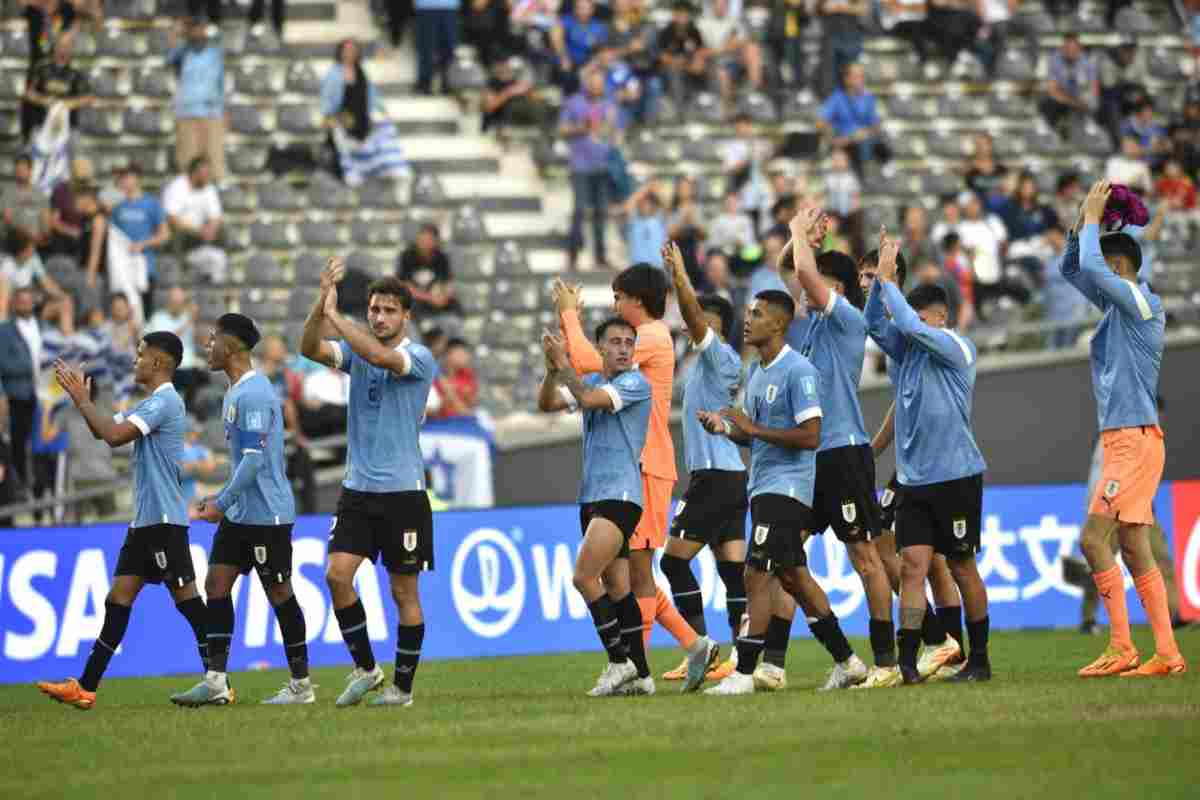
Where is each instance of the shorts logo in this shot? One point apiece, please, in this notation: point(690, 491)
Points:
point(410, 541)
point(960, 528)
point(888, 497)
point(1111, 489)
point(231, 414)
point(849, 511)
point(760, 533)
point(260, 554)
point(160, 558)
point(772, 393)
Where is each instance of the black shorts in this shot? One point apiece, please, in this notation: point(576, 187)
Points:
point(622, 513)
point(713, 509)
point(265, 548)
point(157, 554)
point(778, 528)
point(844, 494)
point(943, 515)
point(398, 525)
point(888, 503)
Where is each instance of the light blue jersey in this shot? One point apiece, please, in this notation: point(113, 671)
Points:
point(384, 420)
point(157, 482)
point(711, 386)
point(934, 378)
point(783, 394)
point(835, 343)
point(1128, 345)
point(613, 440)
point(258, 492)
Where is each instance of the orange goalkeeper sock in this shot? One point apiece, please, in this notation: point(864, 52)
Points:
point(647, 605)
point(1112, 592)
point(670, 618)
point(1153, 592)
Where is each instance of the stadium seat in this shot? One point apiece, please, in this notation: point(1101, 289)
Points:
point(280, 196)
point(510, 260)
point(410, 226)
point(469, 264)
point(473, 297)
point(99, 122)
point(12, 84)
point(108, 82)
point(698, 148)
point(516, 331)
point(300, 302)
point(759, 107)
point(171, 271)
point(939, 184)
point(331, 194)
point(120, 43)
point(16, 43)
point(307, 268)
point(509, 296)
point(299, 118)
point(961, 106)
point(248, 120)
point(259, 306)
point(427, 191)
point(948, 144)
point(467, 226)
point(273, 234)
point(379, 194)
point(910, 107)
point(705, 108)
point(259, 80)
point(1014, 66)
point(466, 75)
point(155, 82)
point(263, 43)
point(1165, 65)
point(801, 105)
point(373, 232)
point(906, 145)
point(246, 160)
point(303, 80)
point(647, 146)
point(212, 303)
point(1134, 22)
point(131, 9)
point(263, 268)
point(149, 122)
point(323, 235)
point(1009, 105)
point(239, 199)
point(365, 263)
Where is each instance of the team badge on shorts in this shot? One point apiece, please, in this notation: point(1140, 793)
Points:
point(960, 528)
point(231, 414)
point(1111, 489)
point(260, 554)
point(160, 558)
point(410, 541)
point(888, 497)
point(772, 393)
point(760, 533)
point(849, 511)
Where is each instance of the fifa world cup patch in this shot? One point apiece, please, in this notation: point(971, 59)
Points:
point(260, 554)
point(410, 541)
point(760, 533)
point(1112, 488)
point(960, 528)
point(849, 511)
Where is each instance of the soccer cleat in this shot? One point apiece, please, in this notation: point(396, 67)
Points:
point(723, 670)
point(737, 683)
point(1158, 667)
point(934, 658)
point(68, 692)
point(677, 674)
point(947, 672)
point(701, 657)
point(358, 683)
point(294, 692)
point(1111, 662)
point(213, 690)
point(770, 678)
point(392, 696)
point(613, 678)
point(881, 678)
point(637, 686)
point(850, 672)
point(972, 673)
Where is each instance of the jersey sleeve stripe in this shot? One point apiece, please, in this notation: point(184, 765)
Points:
point(807, 414)
point(966, 351)
point(833, 298)
point(337, 353)
point(139, 423)
point(1143, 304)
point(568, 398)
point(407, 358)
point(618, 403)
point(706, 342)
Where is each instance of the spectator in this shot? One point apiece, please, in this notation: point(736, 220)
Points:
point(1178, 193)
point(958, 268)
point(179, 316)
point(200, 96)
point(1128, 167)
point(436, 30)
point(741, 160)
point(1152, 139)
point(511, 101)
point(851, 118)
point(194, 212)
point(425, 268)
point(632, 38)
point(24, 208)
point(457, 385)
point(1073, 90)
point(954, 27)
point(47, 21)
point(206, 9)
point(917, 244)
point(739, 56)
point(24, 270)
point(487, 25)
point(92, 255)
point(785, 37)
point(576, 39)
point(48, 452)
point(1123, 80)
point(843, 192)
point(436, 340)
point(361, 146)
point(983, 172)
point(1185, 132)
point(683, 54)
point(645, 226)
point(685, 224)
point(984, 238)
point(590, 122)
point(89, 460)
point(123, 333)
point(837, 235)
point(1068, 194)
point(141, 218)
point(198, 462)
point(782, 213)
point(1001, 20)
point(621, 86)
point(273, 363)
point(1064, 304)
point(54, 81)
point(325, 395)
point(258, 11)
point(951, 216)
point(1028, 217)
point(64, 217)
point(717, 277)
point(768, 277)
point(842, 41)
point(20, 354)
point(905, 19)
point(732, 233)
point(928, 273)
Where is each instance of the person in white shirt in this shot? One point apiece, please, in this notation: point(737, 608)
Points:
point(721, 24)
point(179, 317)
point(905, 19)
point(741, 160)
point(1127, 167)
point(731, 230)
point(24, 270)
point(984, 238)
point(1001, 21)
point(842, 188)
point(193, 209)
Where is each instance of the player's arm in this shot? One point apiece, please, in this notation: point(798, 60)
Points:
point(689, 306)
point(805, 435)
point(367, 347)
point(312, 346)
point(804, 261)
point(584, 355)
point(882, 329)
point(944, 345)
point(717, 425)
point(551, 396)
point(608, 397)
point(115, 432)
point(1111, 287)
point(887, 432)
point(253, 414)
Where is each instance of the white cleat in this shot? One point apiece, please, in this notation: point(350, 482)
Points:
point(294, 692)
point(947, 672)
point(770, 678)
point(392, 696)
point(358, 683)
point(737, 683)
point(850, 672)
point(213, 690)
point(934, 658)
point(881, 678)
point(613, 678)
point(638, 686)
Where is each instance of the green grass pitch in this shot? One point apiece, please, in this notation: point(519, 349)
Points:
point(517, 728)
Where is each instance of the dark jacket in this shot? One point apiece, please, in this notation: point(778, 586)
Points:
point(16, 363)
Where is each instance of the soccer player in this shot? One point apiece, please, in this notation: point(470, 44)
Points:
point(616, 404)
point(640, 298)
point(255, 511)
point(1126, 355)
point(939, 465)
point(781, 424)
point(384, 509)
point(713, 509)
point(156, 546)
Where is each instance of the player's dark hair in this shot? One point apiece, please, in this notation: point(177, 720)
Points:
point(240, 327)
point(166, 342)
point(872, 258)
point(722, 308)
point(779, 300)
point(950, 241)
point(646, 283)
point(841, 267)
point(1122, 244)
point(926, 295)
point(603, 327)
point(393, 287)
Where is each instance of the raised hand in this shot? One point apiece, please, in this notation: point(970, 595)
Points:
point(712, 421)
point(555, 350)
point(1094, 203)
point(673, 260)
point(73, 382)
point(889, 248)
point(567, 297)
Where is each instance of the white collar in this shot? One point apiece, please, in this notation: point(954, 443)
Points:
point(783, 351)
point(162, 387)
point(405, 342)
point(246, 376)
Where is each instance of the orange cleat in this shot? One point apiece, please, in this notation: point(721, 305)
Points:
point(722, 670)
point(1111, 662)
point(677, 674)
point(68, 692)
point(1158, 667)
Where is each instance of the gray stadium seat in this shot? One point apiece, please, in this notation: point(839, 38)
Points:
point(427, 190)
point(239, 199)
point(801, 105)
point(379, 194)
point(308, 268)
point(947, 144)
point(759, 107)
point(16, 43)
point(300, 302)
point(170, 270)
point(466, 75)
point(257, 305)
point(468, 264)
point(152, 160)
point(915, 107)
point(107, 82)
point(467, 226)
point(649, 147)
point(156, 82)
point(151, 122)
point(248, 120)
point(514, 297)
point(705, 107)
point(120, 43)
point(1009, 105)
point(302, 79)
point(702, 148)
point(473, 297)
point(938, 184)
point(263, 268)
point(1165, 65)
point(246, 160)
point(272, 234)
point(299, 118)
point(263, 44)
point(411, 225)
point(961, 107)
point(131, 9)
point(1015, 66)
point(908, 144)
point(212, 303)
point(373, 232)
point(280, 196)
point(325, 192)
point(99, 122)
point(365, 262)
point(324, 235)
point(258, 80)
point(1134, 22)
point(510, 260)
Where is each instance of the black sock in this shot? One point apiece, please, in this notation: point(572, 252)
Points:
point(685, 591)
point(951, 619)
point(116, 620)
point(910, 642)
point(629, 613)
point(291, 625)
point(353, 621)
point(194, 612)
point(733, 575)
point(883, 642)
point(748, 648)
point(220, 632)
point(978, 633)
point(775, 643)
point(829, 633)
point(608, 628)
point(408, 654)
point(931, 627)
